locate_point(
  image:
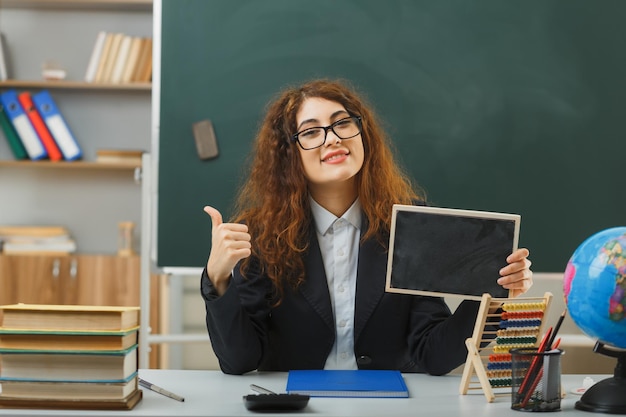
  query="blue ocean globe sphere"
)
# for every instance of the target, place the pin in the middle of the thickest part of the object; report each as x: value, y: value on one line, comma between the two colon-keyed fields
x: 594, y: 286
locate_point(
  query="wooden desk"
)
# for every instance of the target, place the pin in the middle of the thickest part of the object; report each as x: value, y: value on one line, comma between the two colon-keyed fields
x: 211, y: 393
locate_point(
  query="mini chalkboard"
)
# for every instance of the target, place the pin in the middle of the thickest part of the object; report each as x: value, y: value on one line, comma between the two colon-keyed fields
x: 449, y: 252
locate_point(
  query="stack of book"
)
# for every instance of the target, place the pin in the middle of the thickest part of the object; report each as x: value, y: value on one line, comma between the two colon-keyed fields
x: 35, y: 128
x: 26, y: 240
x: 118, y: 58
x: 64, y: 356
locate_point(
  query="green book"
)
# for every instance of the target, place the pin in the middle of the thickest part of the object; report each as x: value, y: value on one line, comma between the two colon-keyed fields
x: 9, y: 132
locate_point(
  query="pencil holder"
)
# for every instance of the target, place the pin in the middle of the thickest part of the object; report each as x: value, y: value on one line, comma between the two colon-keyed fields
x: 536, y: 380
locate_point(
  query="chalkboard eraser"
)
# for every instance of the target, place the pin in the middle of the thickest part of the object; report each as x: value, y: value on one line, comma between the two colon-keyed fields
x: 206, y: 142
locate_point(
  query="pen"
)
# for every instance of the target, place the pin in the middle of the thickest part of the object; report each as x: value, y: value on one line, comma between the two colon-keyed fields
x: 160, y: 390
x: 260, y: 389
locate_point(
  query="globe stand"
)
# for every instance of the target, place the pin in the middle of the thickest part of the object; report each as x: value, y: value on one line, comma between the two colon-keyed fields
x: 607, y: 396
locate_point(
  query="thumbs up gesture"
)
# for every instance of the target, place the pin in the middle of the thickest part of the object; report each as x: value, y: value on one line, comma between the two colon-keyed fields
x: 230, y: 242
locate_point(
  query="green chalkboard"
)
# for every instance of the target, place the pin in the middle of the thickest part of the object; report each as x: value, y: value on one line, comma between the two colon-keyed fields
x: 514, y: 106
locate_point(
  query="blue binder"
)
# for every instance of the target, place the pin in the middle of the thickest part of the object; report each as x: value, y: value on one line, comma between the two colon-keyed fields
x: 57, y: 126
x: 22, y: 125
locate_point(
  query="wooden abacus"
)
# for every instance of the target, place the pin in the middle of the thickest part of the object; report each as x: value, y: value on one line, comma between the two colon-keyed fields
x: 502, y: 324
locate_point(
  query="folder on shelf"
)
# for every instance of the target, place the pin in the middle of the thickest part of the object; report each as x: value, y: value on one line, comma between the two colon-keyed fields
x: 9, y: 132
x: 57, y: 125
x: 94, y: 59
x: 26, y: 100
x: 22, y: 125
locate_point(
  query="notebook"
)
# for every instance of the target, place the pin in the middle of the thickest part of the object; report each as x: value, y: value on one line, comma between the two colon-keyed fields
x: 344, y: 383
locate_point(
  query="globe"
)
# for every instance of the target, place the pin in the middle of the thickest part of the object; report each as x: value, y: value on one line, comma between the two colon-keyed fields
x: 594, y: 286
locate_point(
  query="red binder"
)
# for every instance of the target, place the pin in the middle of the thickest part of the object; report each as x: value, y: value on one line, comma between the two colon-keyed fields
x: 26, y: 100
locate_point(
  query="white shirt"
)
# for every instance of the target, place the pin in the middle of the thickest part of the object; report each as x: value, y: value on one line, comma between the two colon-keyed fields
x: 338, y: 238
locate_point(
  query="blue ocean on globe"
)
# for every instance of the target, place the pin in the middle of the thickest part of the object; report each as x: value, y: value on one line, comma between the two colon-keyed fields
x: 594, y: 286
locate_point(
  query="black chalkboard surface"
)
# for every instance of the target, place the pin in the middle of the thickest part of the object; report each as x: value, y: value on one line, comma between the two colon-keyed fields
x: 441, y: 251
x: 512, y: 106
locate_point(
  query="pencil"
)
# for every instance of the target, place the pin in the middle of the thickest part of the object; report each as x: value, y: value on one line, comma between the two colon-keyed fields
x: 556, y: 329
x: 529, y: 378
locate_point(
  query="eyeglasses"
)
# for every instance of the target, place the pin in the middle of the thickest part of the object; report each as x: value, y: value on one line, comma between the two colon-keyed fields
x: 314, y: 137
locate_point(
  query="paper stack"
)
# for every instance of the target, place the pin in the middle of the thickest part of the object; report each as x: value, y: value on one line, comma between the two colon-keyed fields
x: 27, y: 240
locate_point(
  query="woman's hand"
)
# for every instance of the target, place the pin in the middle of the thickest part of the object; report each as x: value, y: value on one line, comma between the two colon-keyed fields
x: 517, y: 276
x: 230, y: 242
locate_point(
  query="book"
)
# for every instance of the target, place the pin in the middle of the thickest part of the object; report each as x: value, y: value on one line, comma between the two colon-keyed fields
x: 60, y: 245
x: 15, y: 143
x: 120, y: 60
x: 22, y: 125
x: 94, y: 58
x: 67, y: 340
x: 347, y: 383
x: 26, y: 100
x: 51, y: 390
x: 127, y: 403
x: 131, y: 62
x: 57, y: 125
x: 119, y: 156
x: 32, y: 231
x: 143, y: 72
x: 68, y: 317
x: 68, y: 366
x: 104, y: 56
x: 111, y: 57
x: 4, y: 72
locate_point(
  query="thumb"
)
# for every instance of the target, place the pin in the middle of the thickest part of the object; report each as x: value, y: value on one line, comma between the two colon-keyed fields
x: 216, y: 216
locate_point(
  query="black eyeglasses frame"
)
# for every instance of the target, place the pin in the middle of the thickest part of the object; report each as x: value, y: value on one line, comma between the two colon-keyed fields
x: 359, y: 123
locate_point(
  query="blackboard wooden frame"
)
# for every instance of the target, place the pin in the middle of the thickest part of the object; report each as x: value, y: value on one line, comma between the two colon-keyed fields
x: 449, y: 252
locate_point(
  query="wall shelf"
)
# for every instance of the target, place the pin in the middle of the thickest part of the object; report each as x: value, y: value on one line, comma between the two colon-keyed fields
x: 79, y: 4
x: 70, y: 165
x: 75, y: 85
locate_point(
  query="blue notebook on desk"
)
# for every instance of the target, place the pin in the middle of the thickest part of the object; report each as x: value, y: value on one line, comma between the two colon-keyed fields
x: 340, y: 383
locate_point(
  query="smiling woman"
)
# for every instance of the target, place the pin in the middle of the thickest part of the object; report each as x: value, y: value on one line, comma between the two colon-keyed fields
x: 330, y: 160
x: 297, y: 280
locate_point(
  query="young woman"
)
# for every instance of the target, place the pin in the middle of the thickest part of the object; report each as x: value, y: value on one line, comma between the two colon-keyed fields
x: 297, y: 280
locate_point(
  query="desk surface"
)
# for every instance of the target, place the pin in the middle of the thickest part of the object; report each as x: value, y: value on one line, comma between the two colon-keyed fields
x: 211, y: 393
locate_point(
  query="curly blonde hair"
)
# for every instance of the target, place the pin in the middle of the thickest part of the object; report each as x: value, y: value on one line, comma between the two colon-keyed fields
x: 274, y: 202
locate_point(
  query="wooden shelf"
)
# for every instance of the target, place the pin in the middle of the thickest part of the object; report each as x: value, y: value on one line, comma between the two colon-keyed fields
x: 79, y: 4
x: 70, y: 165
x: 75, y: 85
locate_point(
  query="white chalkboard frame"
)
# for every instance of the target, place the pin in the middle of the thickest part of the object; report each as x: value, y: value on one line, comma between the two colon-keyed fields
x: 419, y: 262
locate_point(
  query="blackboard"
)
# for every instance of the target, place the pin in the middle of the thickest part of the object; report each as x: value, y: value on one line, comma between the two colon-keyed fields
x: 512, y: 106
x: 439, y: 251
